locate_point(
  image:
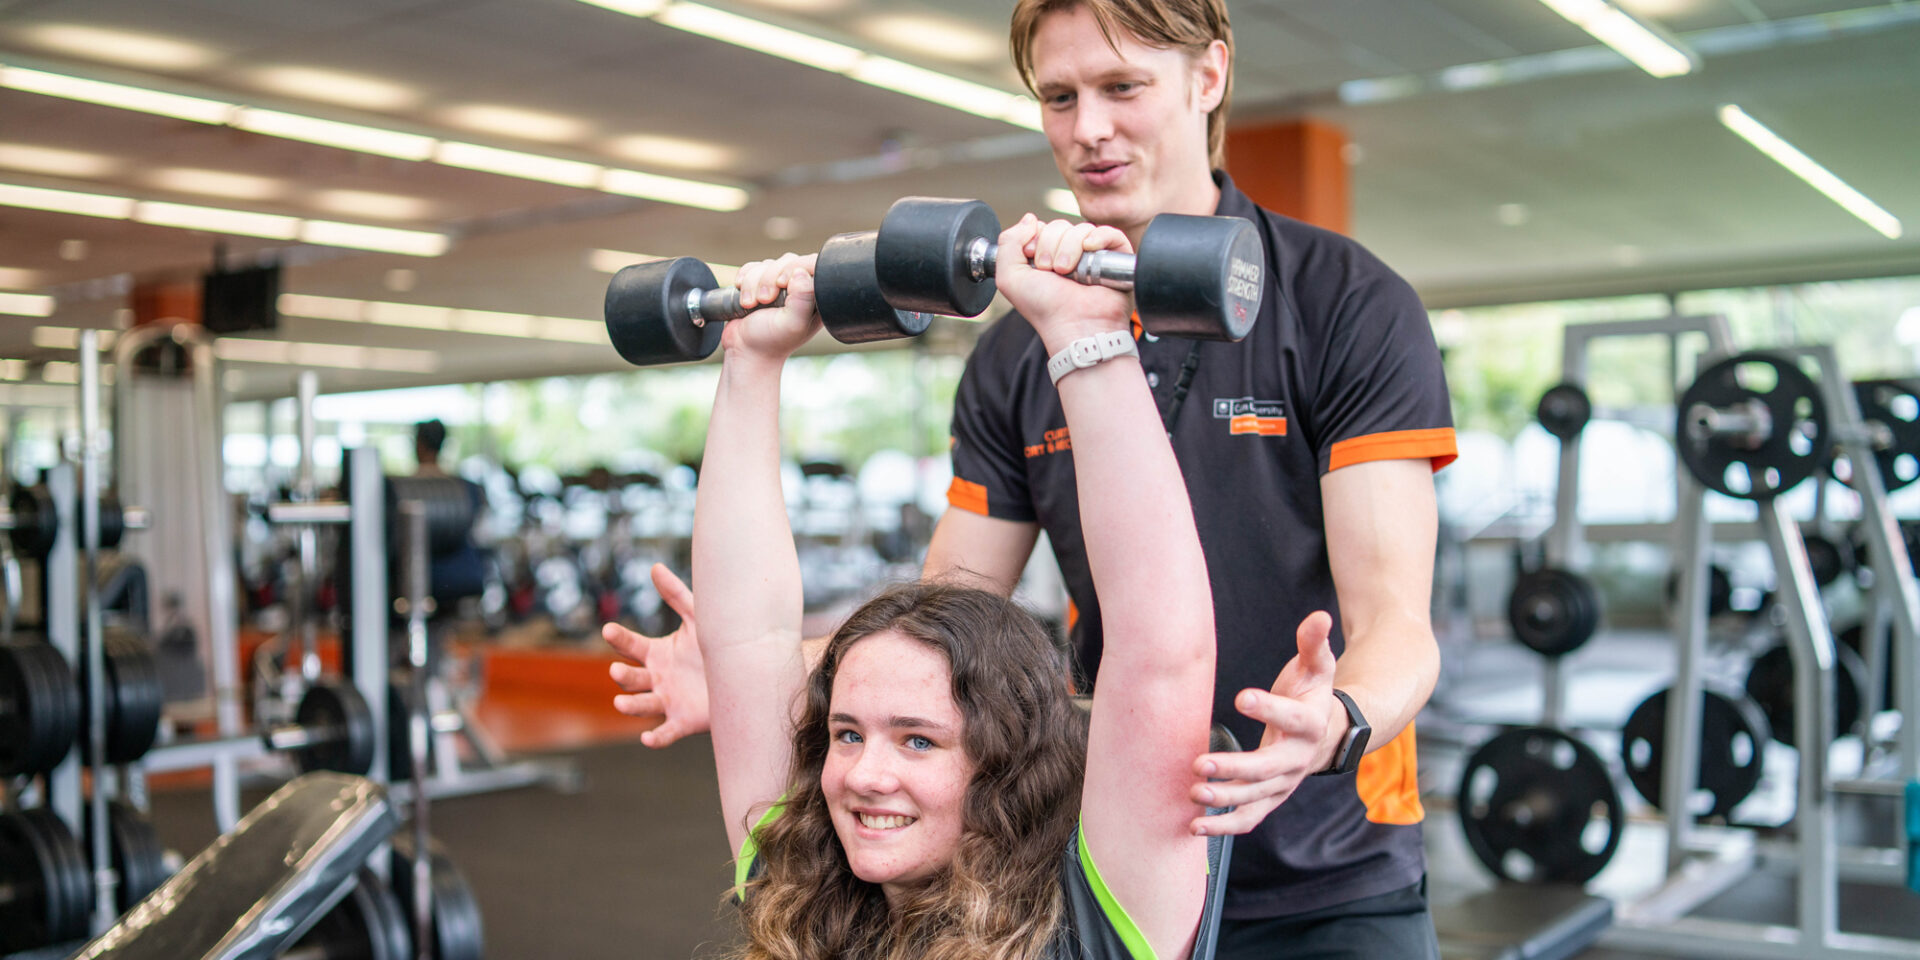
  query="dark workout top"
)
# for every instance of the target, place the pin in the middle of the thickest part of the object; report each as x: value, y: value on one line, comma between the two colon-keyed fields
x: 1340, y: 368
x: 1093, y: 925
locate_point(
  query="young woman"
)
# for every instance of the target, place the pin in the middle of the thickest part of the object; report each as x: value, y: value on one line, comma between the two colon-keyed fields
x: 929, y: 791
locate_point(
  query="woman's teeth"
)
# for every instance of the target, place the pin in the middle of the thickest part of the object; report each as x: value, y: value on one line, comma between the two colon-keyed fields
x: 884, y: 823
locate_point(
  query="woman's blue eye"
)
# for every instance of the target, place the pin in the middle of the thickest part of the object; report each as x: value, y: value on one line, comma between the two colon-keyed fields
x: 919, y: 743
x: 846, y: 736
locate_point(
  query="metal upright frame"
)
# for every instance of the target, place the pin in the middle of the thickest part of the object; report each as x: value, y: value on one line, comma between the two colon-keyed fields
x: 1704, y: 862
x: 365, y: 518
x: 1566, y: 540
x: 223, y: 629
x: 60, y: 574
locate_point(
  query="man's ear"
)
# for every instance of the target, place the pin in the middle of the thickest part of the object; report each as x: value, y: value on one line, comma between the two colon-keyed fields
x: 1210, y: 71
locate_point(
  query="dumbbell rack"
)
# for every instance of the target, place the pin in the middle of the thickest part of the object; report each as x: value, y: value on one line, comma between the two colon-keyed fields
x: 206, y: 511
x: 1703, y: 862
x: 69, y: 566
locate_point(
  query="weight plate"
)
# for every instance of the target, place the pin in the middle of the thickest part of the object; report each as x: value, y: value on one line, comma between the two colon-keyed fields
x: 399, y: 735
x: 457, y: 930
x: 1893, y: 406
x: 1553, y: 612
x: 1564, y: 410
x: 1853, y: 639
x: 1909, y: 537
x: 35, y: 523
x: 1828, y: 558
x: 1733, y: 738
x: 337, y: 713
x: 1747, y: 442
x: 1770, y: 684
x: 42, y: 866
x: 39, y: 707
x: 1538, y: 806
x: 646, y: 310
x: 113, y: 522
x: 137, y: 855
x: 846, y: 290
x: 920, y: 255
x: 135, y: 698
x: 1199, y: 277
x: 367, y: 924
x: 452, y: 504
x: 1719, y: 590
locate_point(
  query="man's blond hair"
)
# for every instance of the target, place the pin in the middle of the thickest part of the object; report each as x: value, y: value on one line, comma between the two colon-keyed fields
x: 1189, y: 25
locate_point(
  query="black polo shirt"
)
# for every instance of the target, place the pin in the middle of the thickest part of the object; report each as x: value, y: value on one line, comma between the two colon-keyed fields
x: 1340, y: 368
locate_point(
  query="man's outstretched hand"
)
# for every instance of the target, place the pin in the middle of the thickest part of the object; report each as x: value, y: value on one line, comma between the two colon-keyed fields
x: 1298, y: 714
x: 670, y: 681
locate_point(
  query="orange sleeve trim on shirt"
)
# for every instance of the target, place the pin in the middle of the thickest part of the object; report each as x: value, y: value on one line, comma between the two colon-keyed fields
x: 1389, y: 782
x: 1436, y: 444
x: 968, y: 496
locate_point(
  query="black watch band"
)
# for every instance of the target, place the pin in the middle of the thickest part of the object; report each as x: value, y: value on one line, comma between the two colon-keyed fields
x: 1354, y: 745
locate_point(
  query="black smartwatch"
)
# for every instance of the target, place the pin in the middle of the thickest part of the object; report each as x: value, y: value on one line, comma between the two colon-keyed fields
x: 1354, y: 745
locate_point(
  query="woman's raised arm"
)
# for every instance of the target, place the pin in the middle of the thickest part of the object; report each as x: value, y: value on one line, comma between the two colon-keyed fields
x: 744, y: 565
x: 1153, y: 697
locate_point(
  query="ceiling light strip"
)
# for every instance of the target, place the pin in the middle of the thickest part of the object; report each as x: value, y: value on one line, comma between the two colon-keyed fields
x: 421, y: 316
x: 613, y: 261
x: 246, y: 223
x: 823, y: 54
x: 344, y: 356
x: 386, y: 143
x: 1809, y: 170
x: 1649, y: 47
x: 26, y: 304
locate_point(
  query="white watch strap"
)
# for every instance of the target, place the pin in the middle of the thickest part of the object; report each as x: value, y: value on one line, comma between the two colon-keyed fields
x: 1087, y: 351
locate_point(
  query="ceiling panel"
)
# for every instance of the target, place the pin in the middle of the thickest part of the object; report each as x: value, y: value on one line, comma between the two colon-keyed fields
x: 1625, y: 180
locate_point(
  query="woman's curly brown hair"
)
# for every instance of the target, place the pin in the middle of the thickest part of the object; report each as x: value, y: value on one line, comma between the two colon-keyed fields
x: 1000, y: 899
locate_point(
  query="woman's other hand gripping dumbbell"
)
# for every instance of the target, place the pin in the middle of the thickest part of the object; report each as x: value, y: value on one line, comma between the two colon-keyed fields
x: 1034, y: 270
x: 779, y: 297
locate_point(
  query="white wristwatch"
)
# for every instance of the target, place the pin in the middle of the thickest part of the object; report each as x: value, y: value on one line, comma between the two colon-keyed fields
x: 1087, y: 351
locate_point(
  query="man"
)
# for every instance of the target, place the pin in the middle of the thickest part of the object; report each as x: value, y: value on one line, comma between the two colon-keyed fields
x: 428, y: 437
x: 1308, y: 450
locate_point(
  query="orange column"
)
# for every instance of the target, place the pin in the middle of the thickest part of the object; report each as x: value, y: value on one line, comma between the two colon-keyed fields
x: 166, y: 301
x: 1294, y: 168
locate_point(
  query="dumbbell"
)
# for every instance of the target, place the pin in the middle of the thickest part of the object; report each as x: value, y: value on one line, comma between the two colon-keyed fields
x: 31, y: 522
x: 332, y: 729
x: 1194, y: 277
x: 668, y: 311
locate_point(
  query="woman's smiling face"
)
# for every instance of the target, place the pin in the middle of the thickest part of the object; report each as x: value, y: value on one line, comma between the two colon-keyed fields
x: 896, y: 773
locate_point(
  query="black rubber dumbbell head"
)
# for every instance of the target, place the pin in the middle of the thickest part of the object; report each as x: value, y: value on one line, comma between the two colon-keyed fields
x: 1199, y: 277
x: 846, y: 289
x: 647, y: 317
x: 921, y: 255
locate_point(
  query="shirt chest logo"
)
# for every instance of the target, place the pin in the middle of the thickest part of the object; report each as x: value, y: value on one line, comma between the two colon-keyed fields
x: 1053, y: 441
x: 1245, y: 415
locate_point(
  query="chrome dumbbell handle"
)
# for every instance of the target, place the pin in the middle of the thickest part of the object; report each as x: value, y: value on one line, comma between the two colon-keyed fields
x: 721, y: 305
x: 1101, y: 268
